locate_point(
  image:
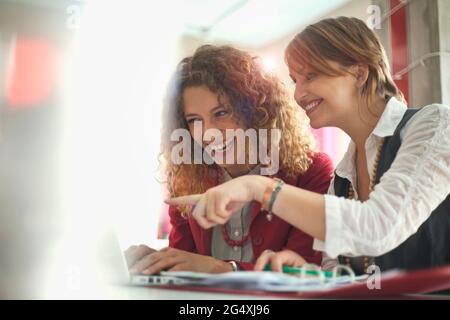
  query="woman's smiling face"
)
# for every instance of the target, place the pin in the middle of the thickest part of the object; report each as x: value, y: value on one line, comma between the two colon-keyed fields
x: 202, y: 105
x: 327, y: 100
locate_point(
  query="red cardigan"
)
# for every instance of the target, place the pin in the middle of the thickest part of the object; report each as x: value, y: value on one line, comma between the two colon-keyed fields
x: 275, y: 235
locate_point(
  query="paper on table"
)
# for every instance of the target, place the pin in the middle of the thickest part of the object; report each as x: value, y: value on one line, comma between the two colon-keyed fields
x: 267, y: 281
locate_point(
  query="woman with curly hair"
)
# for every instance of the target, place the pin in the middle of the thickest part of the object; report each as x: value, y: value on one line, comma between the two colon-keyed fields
x: 223, y: 89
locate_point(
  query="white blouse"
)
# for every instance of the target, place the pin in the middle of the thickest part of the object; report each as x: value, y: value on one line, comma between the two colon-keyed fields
x: 416, y: 183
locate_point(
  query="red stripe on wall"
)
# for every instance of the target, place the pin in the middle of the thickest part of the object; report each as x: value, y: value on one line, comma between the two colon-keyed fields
x: 33, y: 73
x: 399, y: 45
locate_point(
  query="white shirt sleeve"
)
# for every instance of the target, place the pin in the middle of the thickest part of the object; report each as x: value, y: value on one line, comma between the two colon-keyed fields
x: 417, y: 182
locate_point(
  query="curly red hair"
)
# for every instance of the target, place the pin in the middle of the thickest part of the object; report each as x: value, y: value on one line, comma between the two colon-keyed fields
x: 256, y: 98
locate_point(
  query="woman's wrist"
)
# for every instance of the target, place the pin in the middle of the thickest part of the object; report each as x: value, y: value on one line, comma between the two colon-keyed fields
x: 222, y: 266
x: 257, y: 186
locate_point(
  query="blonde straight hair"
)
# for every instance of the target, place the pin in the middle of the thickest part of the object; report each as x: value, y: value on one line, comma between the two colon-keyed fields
x: 346, y: 41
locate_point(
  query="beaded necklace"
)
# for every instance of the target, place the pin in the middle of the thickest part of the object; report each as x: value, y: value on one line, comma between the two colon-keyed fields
x: 351, y: 194
x: 226, y: 237
x: 231, y: 242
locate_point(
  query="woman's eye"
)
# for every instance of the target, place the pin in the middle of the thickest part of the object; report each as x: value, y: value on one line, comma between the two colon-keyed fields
x: 221, y: 113
x: 310, y: 76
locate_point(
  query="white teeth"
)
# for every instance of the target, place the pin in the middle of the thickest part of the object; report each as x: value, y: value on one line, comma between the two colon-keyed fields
x: 313, y: 104
x: 222, y: 146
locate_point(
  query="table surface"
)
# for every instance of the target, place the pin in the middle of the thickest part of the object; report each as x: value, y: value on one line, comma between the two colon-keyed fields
x: 155, y: 293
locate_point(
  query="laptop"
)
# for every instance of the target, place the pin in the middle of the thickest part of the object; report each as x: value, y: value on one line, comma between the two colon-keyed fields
x: 115, y: 270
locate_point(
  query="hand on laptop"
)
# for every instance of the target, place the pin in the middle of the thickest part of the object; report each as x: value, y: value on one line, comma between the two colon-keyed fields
x: 170, y: 259
x: 135, y: 253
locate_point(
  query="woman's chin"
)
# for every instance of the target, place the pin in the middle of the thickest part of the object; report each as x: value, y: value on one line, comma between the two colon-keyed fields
x: 315, y: 124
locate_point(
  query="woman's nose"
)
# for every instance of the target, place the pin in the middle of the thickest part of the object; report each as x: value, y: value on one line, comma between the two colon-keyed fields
x: 299, y: 93
x: 212, y: 132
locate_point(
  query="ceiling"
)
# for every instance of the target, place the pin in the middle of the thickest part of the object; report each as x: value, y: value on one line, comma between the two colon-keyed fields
x: 253, y: 23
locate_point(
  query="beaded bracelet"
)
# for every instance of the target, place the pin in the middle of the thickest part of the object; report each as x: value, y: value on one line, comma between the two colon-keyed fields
x: 273, y: 191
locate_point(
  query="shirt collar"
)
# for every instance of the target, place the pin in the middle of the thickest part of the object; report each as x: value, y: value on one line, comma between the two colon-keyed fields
x: 345, y: 167
x: 391, y: 117
x: 255, y: 171
x: 386, y: 125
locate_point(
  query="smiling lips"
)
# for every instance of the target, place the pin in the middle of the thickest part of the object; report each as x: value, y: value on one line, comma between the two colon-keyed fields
x: 311, y: 105
x: 223, y: 146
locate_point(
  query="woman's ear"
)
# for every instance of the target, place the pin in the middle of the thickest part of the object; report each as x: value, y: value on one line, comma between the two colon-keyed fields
x: 361, y: 73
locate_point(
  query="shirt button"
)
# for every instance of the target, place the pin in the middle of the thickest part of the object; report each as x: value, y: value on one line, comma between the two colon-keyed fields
x: 236, y: 233
x: 235, y: 248
x: 258, y: 241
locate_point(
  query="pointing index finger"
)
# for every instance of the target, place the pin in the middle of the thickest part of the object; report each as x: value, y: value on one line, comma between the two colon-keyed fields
x: 189, y: 200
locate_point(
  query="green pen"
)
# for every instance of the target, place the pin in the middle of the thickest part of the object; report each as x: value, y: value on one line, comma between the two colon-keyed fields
x: 295, y: 270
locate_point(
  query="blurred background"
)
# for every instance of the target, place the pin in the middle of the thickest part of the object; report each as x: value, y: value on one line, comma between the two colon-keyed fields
x: 81, y: 89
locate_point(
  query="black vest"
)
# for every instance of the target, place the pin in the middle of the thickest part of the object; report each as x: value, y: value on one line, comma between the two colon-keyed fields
x: 430, y: 245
